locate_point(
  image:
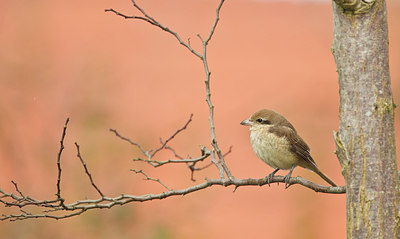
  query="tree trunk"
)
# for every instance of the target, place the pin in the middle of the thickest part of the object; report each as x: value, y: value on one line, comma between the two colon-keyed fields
x: 365, y: 144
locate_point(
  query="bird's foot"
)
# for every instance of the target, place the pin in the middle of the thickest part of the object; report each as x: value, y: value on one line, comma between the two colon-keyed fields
x: 286, y: 179
x: 271, y: 175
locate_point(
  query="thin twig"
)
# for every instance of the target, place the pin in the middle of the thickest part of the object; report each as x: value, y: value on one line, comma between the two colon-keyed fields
x: 17, y: 189
x: 156, y: 163
x: 193, y: 169
x: 153, y: 22
x: 151, y: 179
x: 86, y: 170
x: 191, y: 165
x: 174, y: 152
x: 214, y: 142
x: 215, y: 22
x: 171, y: 137
x: 151, y: 153
x: 175, y: 34
x: 130, y: 141
x: 129, y: 17
x: 58, y: 193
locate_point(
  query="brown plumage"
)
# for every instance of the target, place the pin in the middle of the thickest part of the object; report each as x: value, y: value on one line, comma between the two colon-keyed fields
x: 276, y: 142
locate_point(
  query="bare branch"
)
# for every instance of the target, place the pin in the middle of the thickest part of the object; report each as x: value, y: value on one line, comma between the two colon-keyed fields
x: 77, y: 208
x: 150, y: 153
x: 153, y: 22
x: 130, y: 141
x: 215, y: 22
x: 191, y: 165
x: 130, y: 17
x: 172, y: 136
x: 58, y: 193
x: 203, y: 57
x: 82, y: 206
x: 156, y: 163
x: 218, y: 165
x: 214, y: 142
x: 173, y: 151
x: 151, y: 179
x: 193, y: 169
x: 191, y: 162
x: 17, y: 189
x: 86, y: 170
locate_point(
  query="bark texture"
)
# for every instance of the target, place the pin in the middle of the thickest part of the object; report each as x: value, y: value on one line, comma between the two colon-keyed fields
x: 365, y: 142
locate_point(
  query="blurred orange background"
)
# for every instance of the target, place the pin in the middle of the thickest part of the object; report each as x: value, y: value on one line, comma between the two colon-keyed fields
x: 72, y: 59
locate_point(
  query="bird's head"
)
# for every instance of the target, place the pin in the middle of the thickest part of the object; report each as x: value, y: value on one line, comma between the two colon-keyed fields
x: 267, y: 118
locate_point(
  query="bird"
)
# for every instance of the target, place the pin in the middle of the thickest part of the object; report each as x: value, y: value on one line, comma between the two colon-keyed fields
x: 276, y: 142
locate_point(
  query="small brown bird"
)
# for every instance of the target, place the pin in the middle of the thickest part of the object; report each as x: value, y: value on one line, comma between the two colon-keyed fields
x: 276, y: 142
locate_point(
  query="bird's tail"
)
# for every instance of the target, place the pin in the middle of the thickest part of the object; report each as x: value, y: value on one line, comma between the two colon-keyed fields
x: 323, y: 176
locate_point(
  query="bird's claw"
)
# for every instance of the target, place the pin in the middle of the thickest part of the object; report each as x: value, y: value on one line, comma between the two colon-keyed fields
x: 270, y: 176
x: 286, y: 179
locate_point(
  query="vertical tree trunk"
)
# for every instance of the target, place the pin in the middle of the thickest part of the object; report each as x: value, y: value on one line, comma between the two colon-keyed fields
x: 366, y: 140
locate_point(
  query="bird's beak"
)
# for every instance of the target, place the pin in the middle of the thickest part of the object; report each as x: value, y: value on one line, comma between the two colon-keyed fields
x: 247, y: 122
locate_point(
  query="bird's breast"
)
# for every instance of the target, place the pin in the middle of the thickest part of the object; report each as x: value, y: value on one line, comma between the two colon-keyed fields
x: 273, y: 150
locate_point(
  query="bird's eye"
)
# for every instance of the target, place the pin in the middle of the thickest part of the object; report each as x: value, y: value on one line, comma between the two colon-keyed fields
x: 263, y: 121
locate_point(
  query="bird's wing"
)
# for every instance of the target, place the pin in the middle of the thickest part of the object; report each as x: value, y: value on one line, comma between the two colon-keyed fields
x: 297, y: 144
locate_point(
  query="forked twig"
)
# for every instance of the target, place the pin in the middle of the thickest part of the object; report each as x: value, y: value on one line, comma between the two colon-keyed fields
x: 150, y: 153
x: 171, y: 137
